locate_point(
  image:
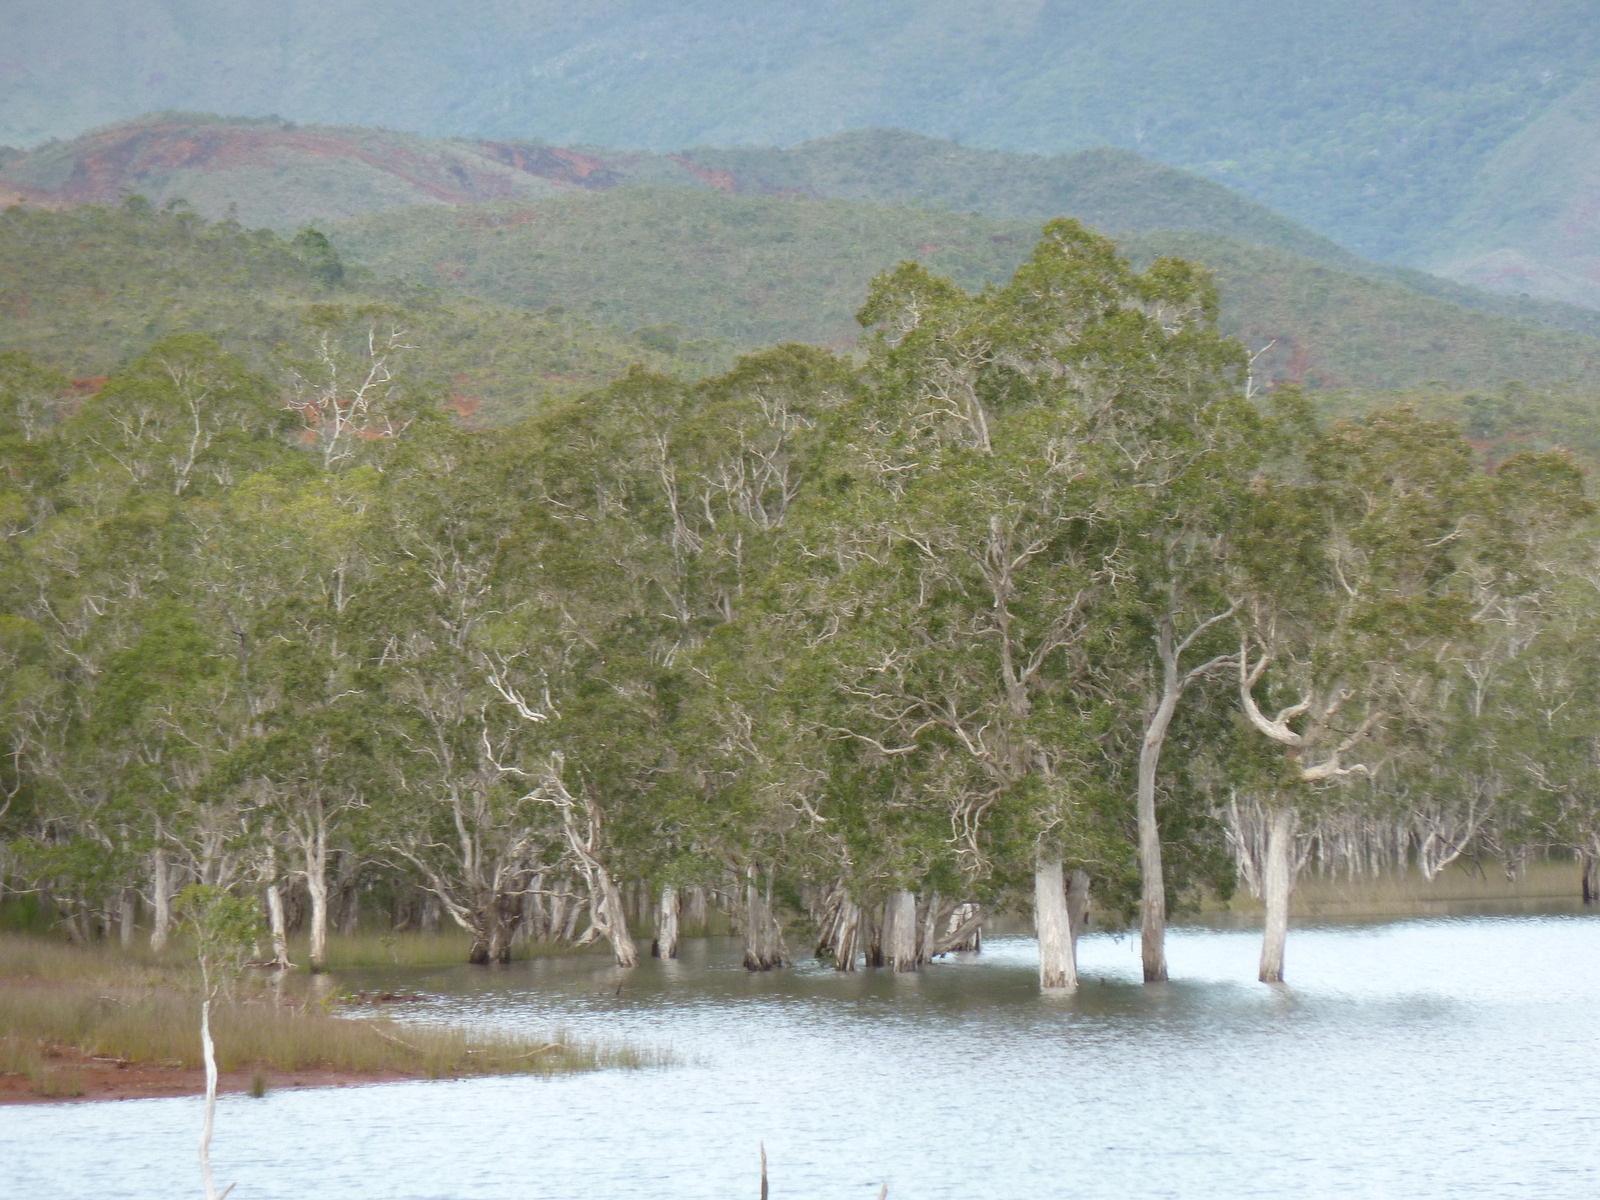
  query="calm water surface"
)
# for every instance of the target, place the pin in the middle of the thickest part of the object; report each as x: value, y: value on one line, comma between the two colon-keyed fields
x: 1423, y: 1058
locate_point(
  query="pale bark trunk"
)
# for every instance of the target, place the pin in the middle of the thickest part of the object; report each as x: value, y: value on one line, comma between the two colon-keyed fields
x: 209, y: 1051
x: 280, y: 932
x: 161, y: 901
x: 666, y: 943
x: 900, y: 932
x: 1152, y: 881
x: 1057, y: 970
x: 614, y: 921
x: 1276, y: 883
x: 846, y: 937
x: 1077, y: 907
x: 697, y: 914
x: 315, y: 852
x: 763, y: 940
x: 125, y: 917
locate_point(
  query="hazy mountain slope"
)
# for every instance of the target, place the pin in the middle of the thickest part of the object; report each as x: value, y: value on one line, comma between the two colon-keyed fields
x: 85, y: 290
x: 273, y: 173
x: 1533, y: 222
x: 1365, y: 120
x: 751, y: 270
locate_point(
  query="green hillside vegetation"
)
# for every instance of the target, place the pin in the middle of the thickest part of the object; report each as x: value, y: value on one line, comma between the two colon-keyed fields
x: 750, y: 270
x: 86, y: 290
x: 1367, y: 121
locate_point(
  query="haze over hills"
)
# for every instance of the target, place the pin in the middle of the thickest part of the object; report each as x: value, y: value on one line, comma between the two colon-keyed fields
x: 1373, y: 123
x: 745, y: 247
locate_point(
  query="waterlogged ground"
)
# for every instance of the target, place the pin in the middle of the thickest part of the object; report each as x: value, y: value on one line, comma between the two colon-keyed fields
x: 1446, y: 1057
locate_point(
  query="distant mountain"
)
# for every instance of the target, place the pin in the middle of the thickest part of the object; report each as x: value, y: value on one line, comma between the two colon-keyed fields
x: 1366, y: 120
x: 1532, y: 224
x: 748, y: 270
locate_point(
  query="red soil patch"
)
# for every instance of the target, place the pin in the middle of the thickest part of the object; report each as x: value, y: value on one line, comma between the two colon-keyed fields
x: 722, y: 181
x: 111, y: 1079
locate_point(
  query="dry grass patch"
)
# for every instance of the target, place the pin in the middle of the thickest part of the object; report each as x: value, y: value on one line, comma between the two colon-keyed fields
x: 138, y: 1009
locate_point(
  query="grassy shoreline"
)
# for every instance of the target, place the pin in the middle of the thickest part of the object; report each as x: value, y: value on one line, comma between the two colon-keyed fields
x: 65, y: 1006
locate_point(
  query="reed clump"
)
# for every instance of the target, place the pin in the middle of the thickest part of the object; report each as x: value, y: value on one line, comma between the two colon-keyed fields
x: 143, y: 1010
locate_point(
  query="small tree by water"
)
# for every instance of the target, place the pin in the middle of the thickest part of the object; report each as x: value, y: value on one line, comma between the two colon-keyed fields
x: 225, y: 930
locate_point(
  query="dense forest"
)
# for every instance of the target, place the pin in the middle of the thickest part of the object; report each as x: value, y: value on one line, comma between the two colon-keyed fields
x: 1037, y: 600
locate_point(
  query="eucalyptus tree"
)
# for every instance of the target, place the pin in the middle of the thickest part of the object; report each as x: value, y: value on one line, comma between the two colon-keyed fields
x: 1381, y: 591
x: 669, y: 499
x: 1035, y: 470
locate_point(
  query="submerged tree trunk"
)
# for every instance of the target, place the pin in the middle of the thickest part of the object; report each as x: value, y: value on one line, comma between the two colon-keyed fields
x: 1057, y: 969
x: 613, y: 919
x: 900, y: 931
x: 160, y: 900
x: 1152, y: 880
x: 208, y: 1051
x: 666, y: 943
x: 1077, y: 907
x: 1276, y: 883
x: 763, y: 939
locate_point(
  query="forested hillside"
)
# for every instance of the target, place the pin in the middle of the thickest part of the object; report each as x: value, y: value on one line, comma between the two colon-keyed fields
x: 1367, y: 121
x: 86, y: 290
x: 1039, y: 597
x: 748, y: 269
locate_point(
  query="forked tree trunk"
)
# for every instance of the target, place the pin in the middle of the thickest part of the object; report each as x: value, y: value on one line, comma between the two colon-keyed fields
x: 847, y: 935
x: 125, y: 917
x: 1057, y: 969
x: 900, y: 931
x: 161, y: 900
x: 1277, y: 880
x: 275, y: 922
x: 666, y: 943
x: 614, y: 920
x: 763, y: 940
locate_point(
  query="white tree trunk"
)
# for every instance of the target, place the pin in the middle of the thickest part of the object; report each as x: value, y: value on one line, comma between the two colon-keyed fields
x: 161, y: 900
x: 1077, y: 907
x: 1152, y: 880
x: 275, y: 921
x: 763, y: 940
x: 316, y: 866
x: 666, y: 943
x: 1057, y: 969
x: 613, y: 923
x: 209, y: 1051
x: 1276, y: 883
x: 125, y: 917
x: 900, y: 936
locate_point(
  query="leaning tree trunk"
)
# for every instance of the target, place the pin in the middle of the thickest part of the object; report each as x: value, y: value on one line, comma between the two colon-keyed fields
x: 614, y: 920
x: 1152, y: 881
x: 1057, y: 970
x: 160, y: 900
x: 900, y: 931
x: 1276, y: 882
x: 666, y: 943
x: 763, y: 940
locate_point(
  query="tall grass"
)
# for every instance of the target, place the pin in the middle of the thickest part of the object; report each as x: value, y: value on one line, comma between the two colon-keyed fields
x: 142, y: 1009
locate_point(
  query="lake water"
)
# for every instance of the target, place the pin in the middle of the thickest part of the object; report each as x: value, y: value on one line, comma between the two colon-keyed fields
x: 1423, y: 1058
